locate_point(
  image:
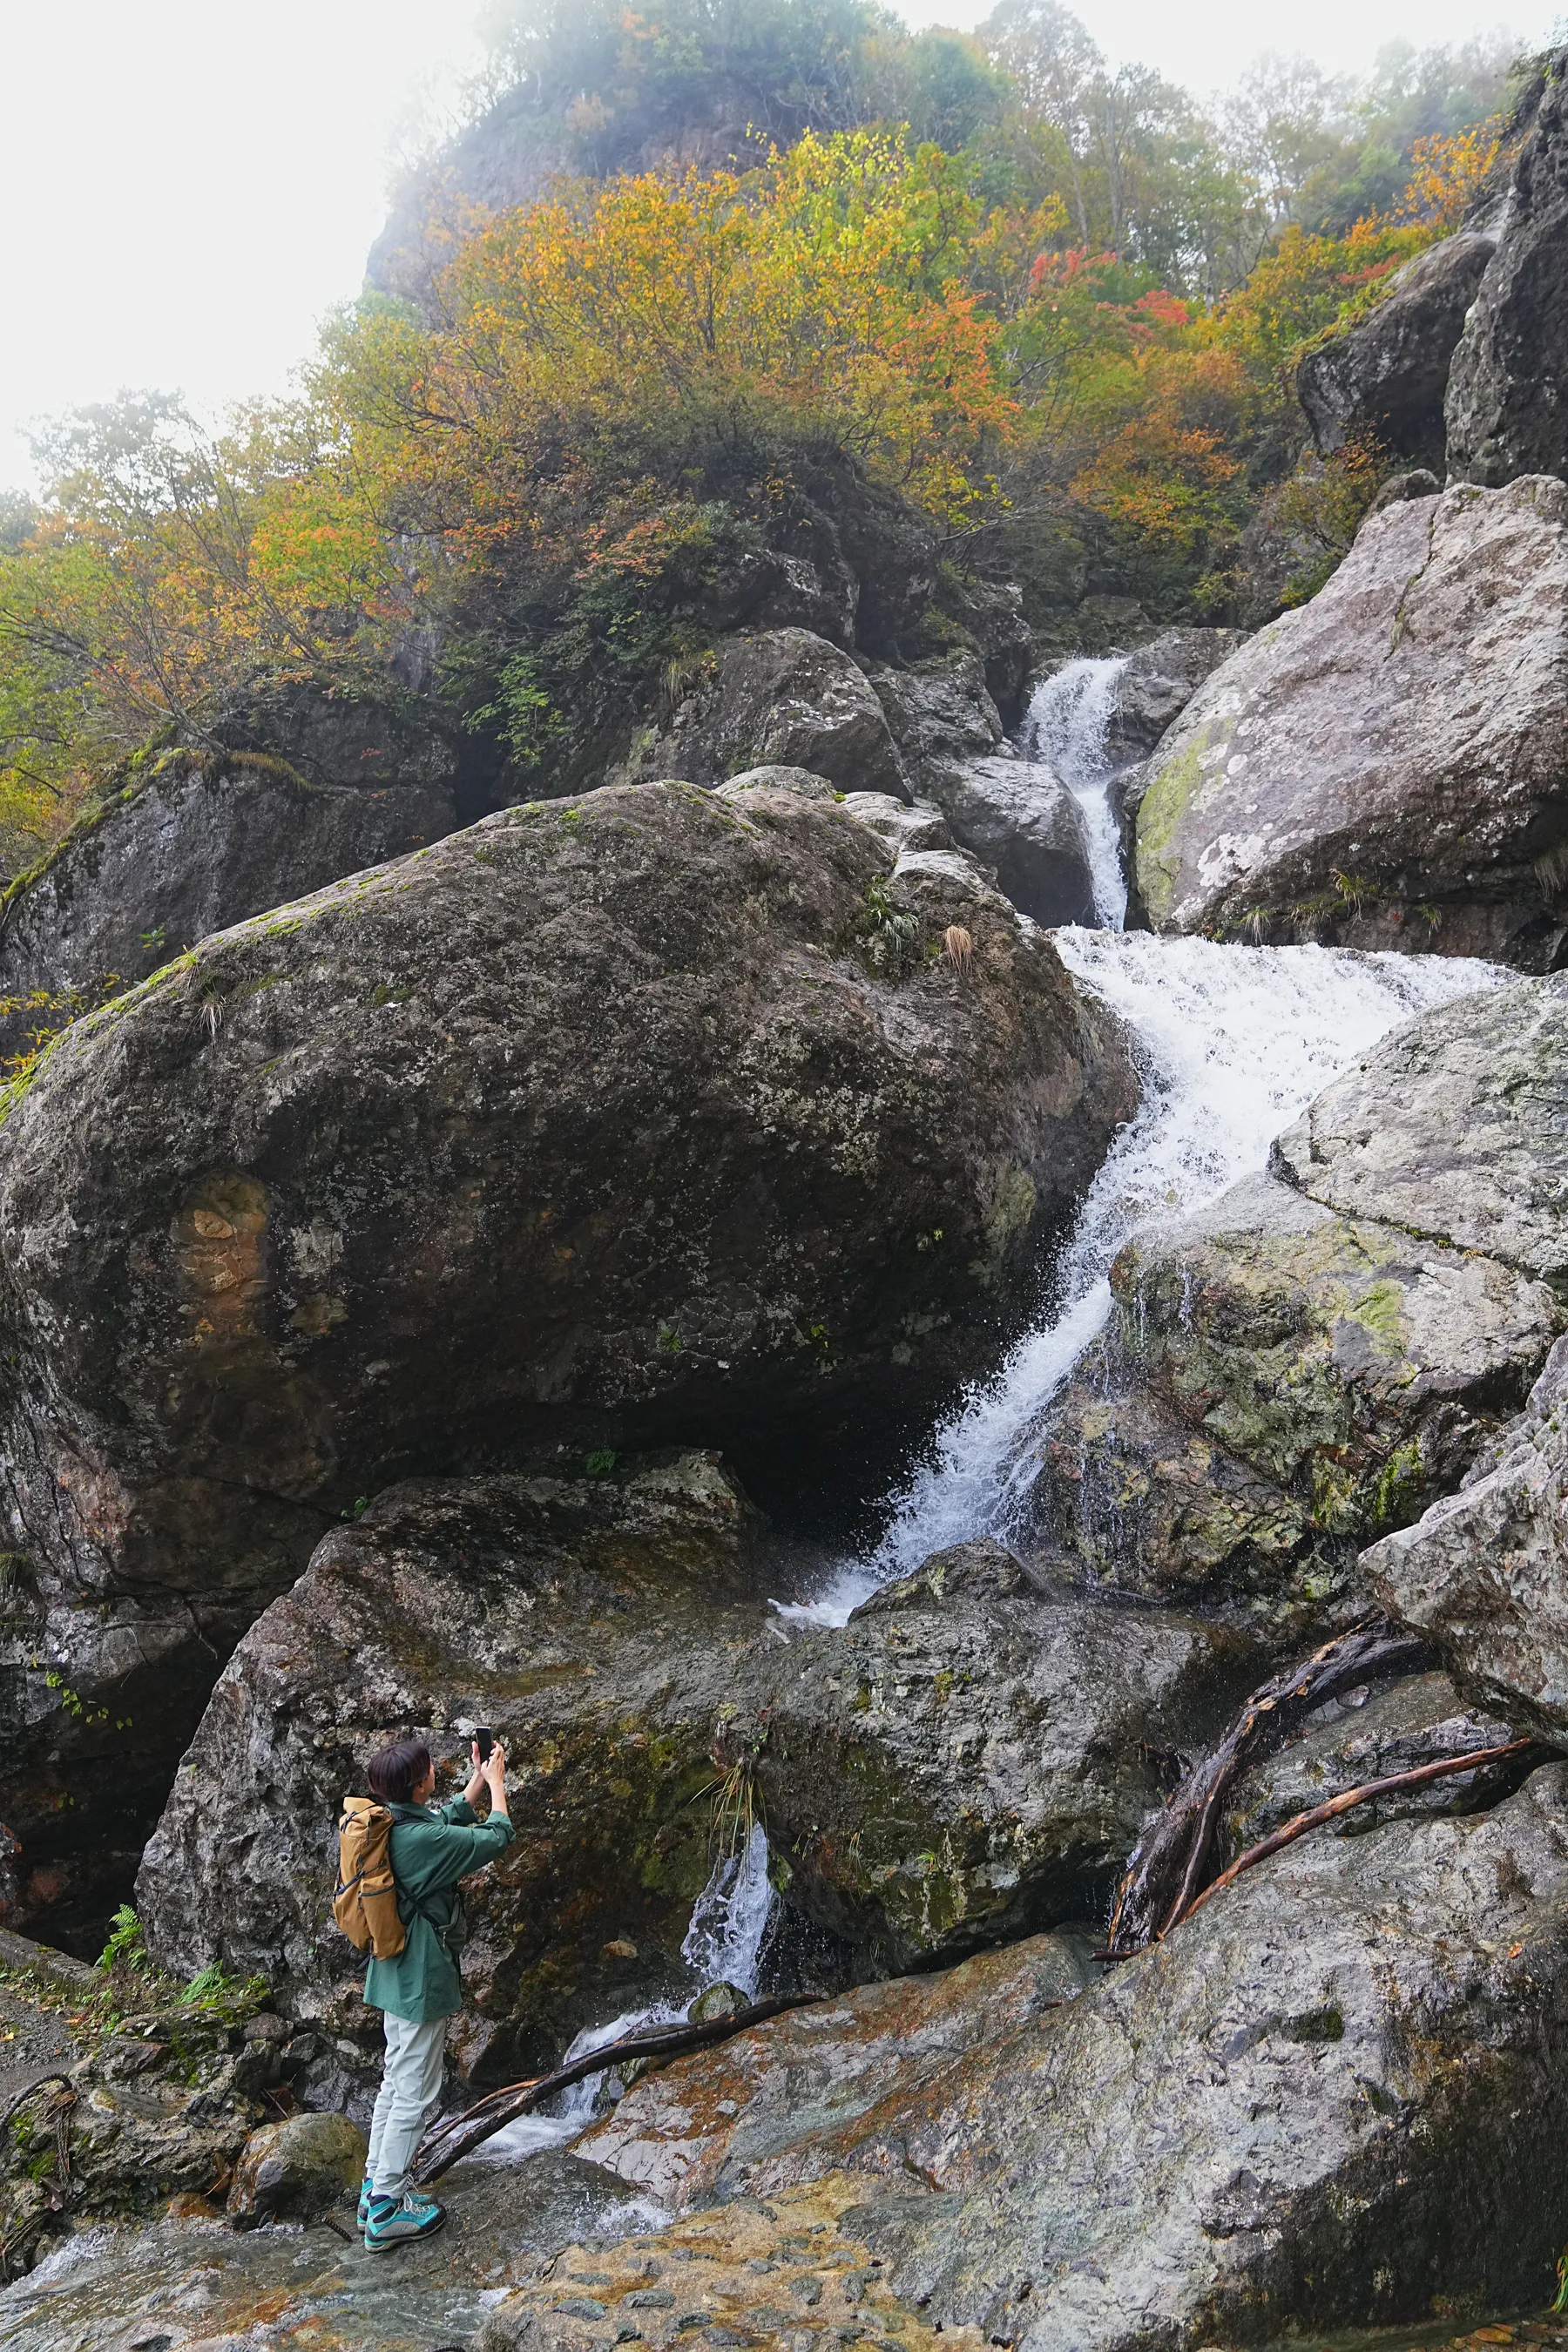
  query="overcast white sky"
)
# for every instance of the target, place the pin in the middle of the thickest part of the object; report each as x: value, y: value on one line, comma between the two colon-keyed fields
x: 191, y: 183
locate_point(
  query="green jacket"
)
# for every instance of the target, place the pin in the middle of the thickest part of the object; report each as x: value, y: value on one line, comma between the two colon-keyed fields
x: 431, y: 1850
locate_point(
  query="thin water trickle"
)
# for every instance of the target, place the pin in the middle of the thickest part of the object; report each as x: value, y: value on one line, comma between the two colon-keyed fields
x: 724, y: 1944
x: 1234, y: 1042
x: 1065, y: 728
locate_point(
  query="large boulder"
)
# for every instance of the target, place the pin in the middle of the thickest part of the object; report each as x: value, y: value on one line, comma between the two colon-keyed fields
x: 597, y: 1622
x: 1155, y: 684
x: 1385, y: 767
x: 941, y: 715
x: 1020, y: 820
x: 1507, y: 389
x: 186, y: 847
x: 970, y: 1758
x: 1382, y: 381
x: 1279, y: 1383
x: 1331, y: 2099
x: 1484, y: 1574
x: 780, y: 696
x: 602, y: 1123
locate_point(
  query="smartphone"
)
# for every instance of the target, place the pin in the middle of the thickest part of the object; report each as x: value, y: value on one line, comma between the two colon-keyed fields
x: 484, y: 1741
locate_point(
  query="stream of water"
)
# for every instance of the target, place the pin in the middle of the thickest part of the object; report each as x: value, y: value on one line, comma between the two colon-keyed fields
x: 724, y: 1944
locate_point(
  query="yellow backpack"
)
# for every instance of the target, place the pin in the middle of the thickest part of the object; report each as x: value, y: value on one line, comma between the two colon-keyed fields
x: 364, y: 1901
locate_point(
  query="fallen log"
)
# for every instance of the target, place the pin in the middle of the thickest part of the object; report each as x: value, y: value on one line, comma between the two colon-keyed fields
x: 1391, y: 1785
x: 447, y: 2144
x: 1169, y: 1862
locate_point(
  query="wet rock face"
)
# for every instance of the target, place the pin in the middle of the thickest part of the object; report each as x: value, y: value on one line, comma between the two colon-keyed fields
x: 1484, y: 1574
x: 1507, y: 401
x: 195, y: 848
x: 191, y: 2279
x: 776, y: 2106
x: 1384, y: 381
x: 1335, y: 2093
x: 1384, y: 768
x: 596, y: 1123
x: 969, y: 1758
x: 1278, y: 1382
x: 784, y: 2270
x: 783, y: 696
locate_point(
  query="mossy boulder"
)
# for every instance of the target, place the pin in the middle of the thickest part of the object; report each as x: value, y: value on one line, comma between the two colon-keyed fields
x: 632, y: 1121
x: 1279, y: 1384
x: 180, y: 846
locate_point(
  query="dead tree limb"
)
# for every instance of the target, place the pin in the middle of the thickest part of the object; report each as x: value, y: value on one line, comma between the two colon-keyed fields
x: 1289, y: 1831
x: 1170, y: 1861
x: 449, y: 2143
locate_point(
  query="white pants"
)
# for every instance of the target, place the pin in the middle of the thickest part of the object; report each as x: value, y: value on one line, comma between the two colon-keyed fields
x: 410, y: 2087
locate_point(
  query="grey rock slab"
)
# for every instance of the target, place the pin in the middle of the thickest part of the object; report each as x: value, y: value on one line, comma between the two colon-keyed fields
x: 1455, y: 1128
x: 1368, y: 1735
x: 921, y: 826
x: 1507, y: 401
x: 593, y: 1124
x: 1484, y: 1573
x: 1385, y: 767
x: 940, y: 715
x: 1158, y: 682
x: 1384, y: 381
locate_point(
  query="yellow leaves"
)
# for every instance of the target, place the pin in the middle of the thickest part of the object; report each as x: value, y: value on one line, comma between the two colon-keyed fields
x: 1446, y: 172
x: 826, y: 282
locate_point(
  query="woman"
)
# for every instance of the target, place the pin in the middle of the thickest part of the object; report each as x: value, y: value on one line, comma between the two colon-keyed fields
x: 432, y: 1848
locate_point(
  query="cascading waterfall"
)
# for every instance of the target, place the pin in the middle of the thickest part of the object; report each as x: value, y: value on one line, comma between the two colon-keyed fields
x: 724, y: 1944
x: 1065, y: 728
x: 1234, y: 1042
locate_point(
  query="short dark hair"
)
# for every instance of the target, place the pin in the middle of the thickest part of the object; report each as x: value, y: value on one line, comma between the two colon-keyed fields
x: 396, y: 1772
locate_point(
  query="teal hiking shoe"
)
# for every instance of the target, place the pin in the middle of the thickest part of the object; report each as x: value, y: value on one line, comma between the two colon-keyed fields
x: 399, y: 2221
x: 367, y: 2191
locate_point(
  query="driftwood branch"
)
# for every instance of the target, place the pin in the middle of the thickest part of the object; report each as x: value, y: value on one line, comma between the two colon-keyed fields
x: 1289, y: 1831
x: 1171, y: 1861
x: 449, y: 2143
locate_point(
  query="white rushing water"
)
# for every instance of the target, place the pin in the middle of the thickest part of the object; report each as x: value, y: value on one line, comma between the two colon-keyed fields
x: 724, y: 1944
x: 1234, y: 1043
x: 1066, y: 727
